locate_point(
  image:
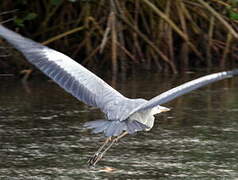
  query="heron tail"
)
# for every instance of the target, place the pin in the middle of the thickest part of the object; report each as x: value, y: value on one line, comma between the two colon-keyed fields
x: 114, y: 128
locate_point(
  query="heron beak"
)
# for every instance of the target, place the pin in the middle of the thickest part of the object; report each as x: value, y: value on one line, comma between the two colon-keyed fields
x: 164, y: 109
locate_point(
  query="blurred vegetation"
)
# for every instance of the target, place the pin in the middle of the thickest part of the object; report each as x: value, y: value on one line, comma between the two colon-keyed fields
x: 163, y: 35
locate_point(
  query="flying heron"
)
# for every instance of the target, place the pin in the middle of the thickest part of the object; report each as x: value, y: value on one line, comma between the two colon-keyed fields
x: 122, y: 115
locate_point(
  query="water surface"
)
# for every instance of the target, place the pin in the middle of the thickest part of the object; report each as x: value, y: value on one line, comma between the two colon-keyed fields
x: 42, y: 135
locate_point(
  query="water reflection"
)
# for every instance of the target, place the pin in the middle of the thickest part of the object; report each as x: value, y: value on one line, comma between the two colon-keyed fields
x: 42, y: 137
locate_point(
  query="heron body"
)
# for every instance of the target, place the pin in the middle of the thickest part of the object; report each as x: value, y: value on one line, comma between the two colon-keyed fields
x: 123, y: 115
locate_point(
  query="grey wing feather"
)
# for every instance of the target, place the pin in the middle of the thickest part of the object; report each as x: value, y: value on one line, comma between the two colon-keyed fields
x: 70, y: 75
x: 183, y: 89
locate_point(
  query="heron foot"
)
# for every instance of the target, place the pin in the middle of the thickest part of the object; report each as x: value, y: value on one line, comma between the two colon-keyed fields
x: 94, y: 159
x: 99, y: 154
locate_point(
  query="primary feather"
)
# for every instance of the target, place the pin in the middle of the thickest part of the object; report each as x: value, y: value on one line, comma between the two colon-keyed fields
x: 182, y: 89
x: 69, y: 74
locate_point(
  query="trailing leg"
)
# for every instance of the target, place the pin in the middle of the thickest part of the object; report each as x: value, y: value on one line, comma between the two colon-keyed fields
x: 92, y: 160
x: 100, y: 155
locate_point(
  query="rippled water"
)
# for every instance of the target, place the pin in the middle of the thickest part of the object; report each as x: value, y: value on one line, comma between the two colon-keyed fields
x: 42, y: 137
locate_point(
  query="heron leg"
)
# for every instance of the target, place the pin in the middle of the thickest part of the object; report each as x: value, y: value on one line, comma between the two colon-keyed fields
x: 99, y: 157
x: 27, y: 73
x: 95, y: 156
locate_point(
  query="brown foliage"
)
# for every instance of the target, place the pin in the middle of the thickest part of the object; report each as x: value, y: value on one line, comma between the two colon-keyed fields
x: 165, y: 35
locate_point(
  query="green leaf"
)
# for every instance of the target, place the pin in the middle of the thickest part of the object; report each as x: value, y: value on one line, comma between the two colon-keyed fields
x: 30, y: 16
x: 233, y: 15
x: 19, y: 22
x: 55, y: 2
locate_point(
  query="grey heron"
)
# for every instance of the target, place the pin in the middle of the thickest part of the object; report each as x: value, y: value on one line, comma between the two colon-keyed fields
x: 122, y: 115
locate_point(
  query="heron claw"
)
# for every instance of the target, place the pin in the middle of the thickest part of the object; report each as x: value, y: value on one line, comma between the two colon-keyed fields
x: 94, y: 159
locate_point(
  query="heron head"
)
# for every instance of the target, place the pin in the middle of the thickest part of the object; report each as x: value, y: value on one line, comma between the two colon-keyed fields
x: 159, y: 109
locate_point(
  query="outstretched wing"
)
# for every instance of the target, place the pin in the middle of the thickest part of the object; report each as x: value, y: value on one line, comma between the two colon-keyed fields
x: 183, y: 89
x: 70, y: 75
